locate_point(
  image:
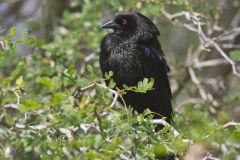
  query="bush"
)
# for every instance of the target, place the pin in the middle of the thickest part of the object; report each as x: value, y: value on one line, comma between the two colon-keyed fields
x: 54, y: 105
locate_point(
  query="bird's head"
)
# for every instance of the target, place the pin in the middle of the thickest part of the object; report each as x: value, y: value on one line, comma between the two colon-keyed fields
x: 131, y: 22
x: 122, y: 22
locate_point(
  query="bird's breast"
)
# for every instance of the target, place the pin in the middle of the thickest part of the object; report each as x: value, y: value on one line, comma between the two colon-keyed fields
x: 125, y: 63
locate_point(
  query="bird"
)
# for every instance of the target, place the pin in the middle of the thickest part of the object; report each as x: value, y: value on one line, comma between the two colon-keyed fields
x: 133, y: 52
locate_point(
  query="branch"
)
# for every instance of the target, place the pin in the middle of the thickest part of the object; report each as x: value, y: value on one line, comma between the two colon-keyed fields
x: 230, y: 124
x: 101, y: 85
x: 209, y: 157
x: 205, y: 41
x: 210, y: 63
x: 175, y: 132
x: 16, y: 94
x: 198, y: 83
x: 116, y: 94
x: 89, y: 86
x: 219, y: 49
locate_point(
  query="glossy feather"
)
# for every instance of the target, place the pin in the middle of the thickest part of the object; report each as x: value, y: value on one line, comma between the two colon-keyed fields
x: 133, y: 53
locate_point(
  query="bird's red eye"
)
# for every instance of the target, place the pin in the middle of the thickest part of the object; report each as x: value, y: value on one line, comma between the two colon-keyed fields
x: 124, y: 21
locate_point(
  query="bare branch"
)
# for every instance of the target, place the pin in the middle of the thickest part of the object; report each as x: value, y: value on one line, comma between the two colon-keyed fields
x: 219, y: 49
x: 88, y: 87
x: 198, y: 83
x: 230, y: 124
x: 209, y: 157
x: 115, y: 99
x: 230, y: 46
x: 164, y: 123
x: 206, y: 42
x: 210, y: 63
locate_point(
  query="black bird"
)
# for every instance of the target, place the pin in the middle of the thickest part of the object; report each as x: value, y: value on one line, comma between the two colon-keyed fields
x: 132, y: 52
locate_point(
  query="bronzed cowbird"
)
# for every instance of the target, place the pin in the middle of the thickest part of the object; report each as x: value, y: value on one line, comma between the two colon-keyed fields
x: 133, y: 52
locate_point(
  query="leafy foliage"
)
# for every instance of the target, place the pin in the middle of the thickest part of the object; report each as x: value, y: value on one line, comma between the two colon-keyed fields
x: 51, y: 110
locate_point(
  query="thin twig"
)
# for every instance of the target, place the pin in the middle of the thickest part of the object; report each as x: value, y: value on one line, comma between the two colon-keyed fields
x: 115, y: 99
x: 219, y: 49
x: 164, y: 123
x: 116, y: 94
x: 210, y: 63
x: 198, y: 83
x: 88, y: 87
x: 16, y: 94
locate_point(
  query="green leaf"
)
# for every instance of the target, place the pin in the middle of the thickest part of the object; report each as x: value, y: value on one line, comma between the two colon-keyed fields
x: 160, y: 150
x: 29, y: 105
x: 111, y: 84
x: 30, y: 41
x: 90, y: 68
x: 20, y: 82
x: 108, y: 75
x: 12, y: 32
x: 145, y: 85
x: 235, y: 55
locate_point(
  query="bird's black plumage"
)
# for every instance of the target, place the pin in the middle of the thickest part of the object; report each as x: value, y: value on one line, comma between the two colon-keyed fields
x: 133, y: 52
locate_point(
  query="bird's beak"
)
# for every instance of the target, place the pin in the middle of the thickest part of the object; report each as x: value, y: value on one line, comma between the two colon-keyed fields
x: 110, y: 24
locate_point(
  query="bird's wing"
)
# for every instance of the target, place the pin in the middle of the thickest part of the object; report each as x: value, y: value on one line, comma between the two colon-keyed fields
x: 155, y: 54
x: 155, y: 66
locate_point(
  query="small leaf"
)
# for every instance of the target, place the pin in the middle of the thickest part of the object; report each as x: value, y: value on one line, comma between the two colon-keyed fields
x: 90, y: 68
x: 140, y: 86
x: 125, y: 86
x: 235, y: 55
x: 20, y: 82
x: 30, y: 41
x: 12, y: 32
x: 160, y: 150
x: 111, y: 83
x: 82, y: 103
x: 110, y: 73
x: 145, y: 81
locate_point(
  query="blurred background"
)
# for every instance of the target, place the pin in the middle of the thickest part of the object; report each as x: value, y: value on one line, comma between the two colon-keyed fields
x: 40, y: 39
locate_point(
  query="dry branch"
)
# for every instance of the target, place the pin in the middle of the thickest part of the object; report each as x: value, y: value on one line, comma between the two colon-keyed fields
x: 206, y: 42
